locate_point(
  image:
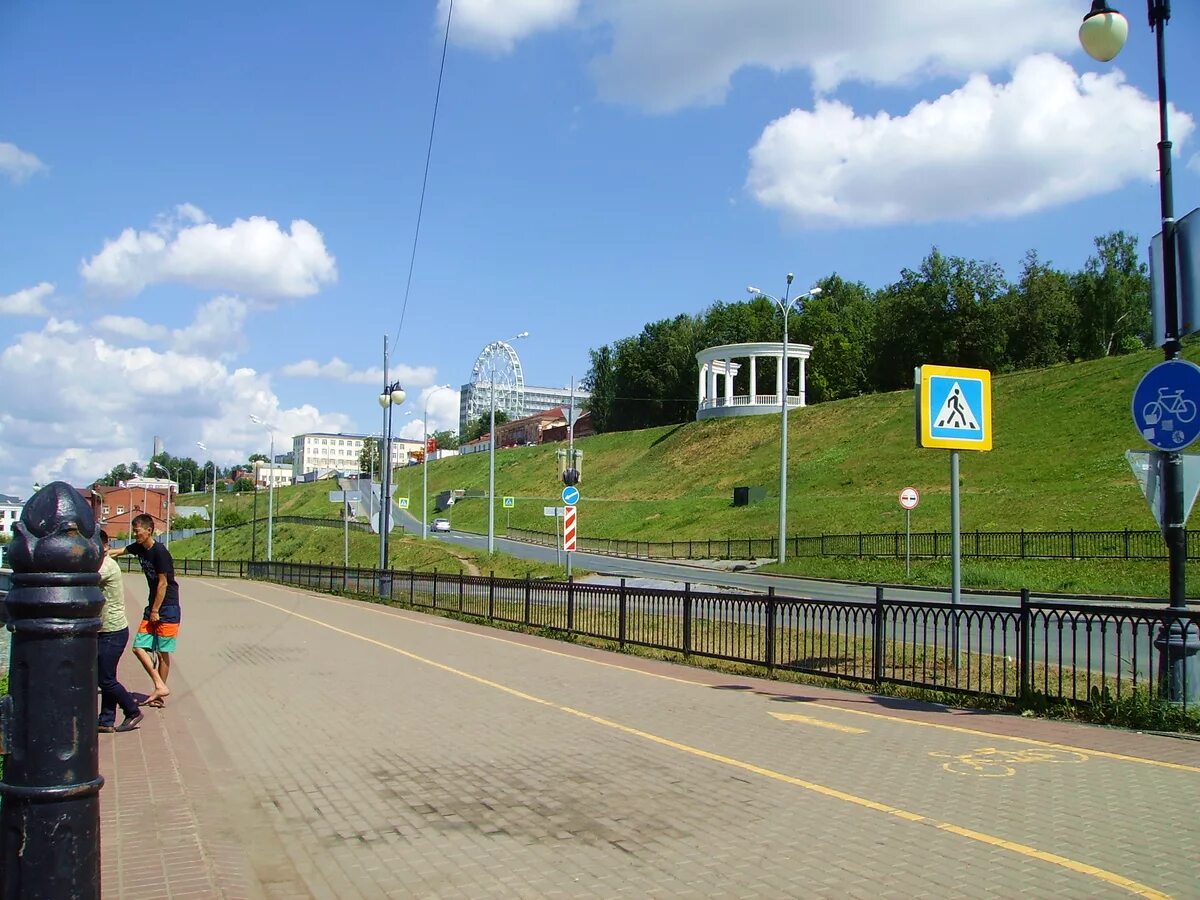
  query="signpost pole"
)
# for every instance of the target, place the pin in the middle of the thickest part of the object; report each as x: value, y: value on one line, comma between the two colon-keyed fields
x: 955, y: 554
x: 557, y: 541
x: 907, y: 543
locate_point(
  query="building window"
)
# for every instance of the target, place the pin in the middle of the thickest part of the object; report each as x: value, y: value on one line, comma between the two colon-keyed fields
x: 121, y: 511
x: 105, y: 508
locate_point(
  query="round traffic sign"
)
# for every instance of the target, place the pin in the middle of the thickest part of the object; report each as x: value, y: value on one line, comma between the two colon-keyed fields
x: 910, y: 497
x: 1165, y: 404
x: 570, y: 495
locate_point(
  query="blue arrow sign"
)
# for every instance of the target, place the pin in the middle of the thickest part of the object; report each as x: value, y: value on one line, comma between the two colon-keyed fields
x: 1165, y: 404
x: 570, y: 495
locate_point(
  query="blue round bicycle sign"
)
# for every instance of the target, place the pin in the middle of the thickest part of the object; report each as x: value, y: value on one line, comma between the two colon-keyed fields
x: 1165, y: 404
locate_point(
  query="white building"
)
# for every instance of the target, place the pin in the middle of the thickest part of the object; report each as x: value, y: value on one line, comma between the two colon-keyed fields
x: 271, y: 476
x: 322, y: 452
x: 10, y: 512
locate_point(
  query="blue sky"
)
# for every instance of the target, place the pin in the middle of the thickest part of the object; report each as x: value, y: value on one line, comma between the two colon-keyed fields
x: 208, y: 210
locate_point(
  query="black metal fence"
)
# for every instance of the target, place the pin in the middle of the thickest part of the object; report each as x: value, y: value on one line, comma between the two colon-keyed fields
x: 888, y: 544
x: 1078, y: 651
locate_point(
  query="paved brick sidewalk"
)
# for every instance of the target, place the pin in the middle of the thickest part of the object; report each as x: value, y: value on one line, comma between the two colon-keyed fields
x: 325, y: 748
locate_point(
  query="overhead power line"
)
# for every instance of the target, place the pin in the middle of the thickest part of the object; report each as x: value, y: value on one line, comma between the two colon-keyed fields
x: 425, y: 180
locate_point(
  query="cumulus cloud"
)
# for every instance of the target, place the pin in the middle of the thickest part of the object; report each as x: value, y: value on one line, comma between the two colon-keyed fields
x: 130, y: 327
x: 1049, y: 136
x: 1194, y: 162
x: 671, y: 54
x: 499, y: 24
x: 339, y: 370
x: 217, y: 330
x: 442, y: 403
x: 18, y: 164
x: 76, y: 405
x: 27, y: 302
x: 252, y: 256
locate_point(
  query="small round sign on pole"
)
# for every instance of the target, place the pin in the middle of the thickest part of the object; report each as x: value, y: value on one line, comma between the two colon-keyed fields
x: 910, y: 497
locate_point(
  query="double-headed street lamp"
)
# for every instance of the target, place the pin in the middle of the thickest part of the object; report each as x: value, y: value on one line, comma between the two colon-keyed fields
x: 270, y: 482
x: 212, y: 525
x: 492, y: 448
x: 425, y: 468
x: 393, y: 395
x: 785, y: 306
x: 1103, y: 34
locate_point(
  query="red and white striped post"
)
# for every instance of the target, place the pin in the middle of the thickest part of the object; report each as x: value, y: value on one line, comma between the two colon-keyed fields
x: 569, y: 528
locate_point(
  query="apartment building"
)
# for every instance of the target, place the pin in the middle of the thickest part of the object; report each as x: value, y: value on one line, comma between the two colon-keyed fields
x: 322, y: 452
x: 10, y: 512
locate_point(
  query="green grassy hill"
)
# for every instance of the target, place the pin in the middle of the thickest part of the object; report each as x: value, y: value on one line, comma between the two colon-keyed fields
x: 1058, y: 463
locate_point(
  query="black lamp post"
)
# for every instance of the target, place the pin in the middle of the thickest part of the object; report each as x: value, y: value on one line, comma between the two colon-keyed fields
x: 393, y: 395
x: 1102, y: 35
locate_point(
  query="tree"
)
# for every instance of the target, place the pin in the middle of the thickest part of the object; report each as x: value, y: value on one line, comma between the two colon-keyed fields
x: 368, y: 458
x: 481, y: 426
x: 258, y: 457
x: 1112, y: 294
x: 839, y: 324
x: 228, y: 516
x: 445, y: 439
x: 242, y: 485
x: 601, y: 383
x: 1043, y: 318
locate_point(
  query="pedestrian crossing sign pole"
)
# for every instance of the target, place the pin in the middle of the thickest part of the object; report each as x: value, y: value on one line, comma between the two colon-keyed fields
x: 954, y: 412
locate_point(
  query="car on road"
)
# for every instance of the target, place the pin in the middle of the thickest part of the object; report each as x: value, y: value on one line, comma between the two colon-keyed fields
x: 441, y: 524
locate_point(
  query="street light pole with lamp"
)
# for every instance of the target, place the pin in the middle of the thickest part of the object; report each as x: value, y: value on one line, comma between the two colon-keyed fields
x: 270, y: 482
x: 166, y: 472
x: 393, y: 395
x: 212, y: 525
x: 1103, y: 34
x: 785, y: 306
x: 492, y: 450
x: 425, y: 468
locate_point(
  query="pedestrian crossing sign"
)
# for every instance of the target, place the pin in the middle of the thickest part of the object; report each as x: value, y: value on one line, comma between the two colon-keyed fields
x: 954, y: 408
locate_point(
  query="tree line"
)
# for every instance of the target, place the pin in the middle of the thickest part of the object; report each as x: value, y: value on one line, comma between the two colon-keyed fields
x: 948, y: 311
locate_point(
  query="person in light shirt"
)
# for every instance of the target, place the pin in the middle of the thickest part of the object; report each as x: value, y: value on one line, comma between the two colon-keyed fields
x: 110, y: 645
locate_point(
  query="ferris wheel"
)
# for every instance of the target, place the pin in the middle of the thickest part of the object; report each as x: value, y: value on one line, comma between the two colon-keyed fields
x: 498, y: 365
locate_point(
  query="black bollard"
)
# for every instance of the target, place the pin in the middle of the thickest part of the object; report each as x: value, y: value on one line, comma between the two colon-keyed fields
x: 50, y: 818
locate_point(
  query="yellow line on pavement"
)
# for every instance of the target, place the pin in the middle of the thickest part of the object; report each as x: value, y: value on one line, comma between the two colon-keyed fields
x: 820, y: 723
x: 1072, y: 865
x: 1008, y: 737
x: 425, y: 621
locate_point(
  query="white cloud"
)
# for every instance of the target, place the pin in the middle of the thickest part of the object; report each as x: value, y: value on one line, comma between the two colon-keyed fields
x: 339, y: 370
x: 499, y: 24
x: 27, y: 302
x: 442, y: 403
x: 130, y: 327
x: 986, y: 150
x: 19, y: 164
x: 669, y: 54
x: 76, y: 405
x: 252, y: 256
x: 216, y: 331
x: 1194, y: 162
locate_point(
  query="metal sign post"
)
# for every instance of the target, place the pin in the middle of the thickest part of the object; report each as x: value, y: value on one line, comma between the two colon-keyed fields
x: 954, y: 412
x: 909, y: 498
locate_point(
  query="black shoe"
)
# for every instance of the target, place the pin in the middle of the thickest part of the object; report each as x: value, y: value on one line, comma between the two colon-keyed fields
x: 105, y: 729
x: 130, y: 723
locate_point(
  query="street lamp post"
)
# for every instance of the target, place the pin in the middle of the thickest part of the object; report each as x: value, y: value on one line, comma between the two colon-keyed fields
x: 212, y: 525
x: 393, y: 395
x: 1102, y: 35
x: 492, y: 450
x: 425, y: 468
x: 270, y: 482
x: 785, y: 306
x: 166, y: 472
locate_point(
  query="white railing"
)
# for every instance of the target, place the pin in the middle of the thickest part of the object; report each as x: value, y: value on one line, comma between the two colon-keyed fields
x: 746, y: 400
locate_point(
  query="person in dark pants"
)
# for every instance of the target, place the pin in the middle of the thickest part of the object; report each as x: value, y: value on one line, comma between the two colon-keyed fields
x: 110, y: 644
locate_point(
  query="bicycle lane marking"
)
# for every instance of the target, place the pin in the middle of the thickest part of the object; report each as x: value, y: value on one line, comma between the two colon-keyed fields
x: 1073, y: 865
x: 424, y: 619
